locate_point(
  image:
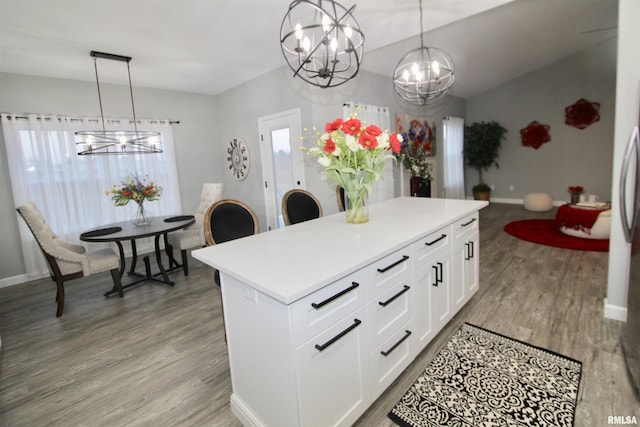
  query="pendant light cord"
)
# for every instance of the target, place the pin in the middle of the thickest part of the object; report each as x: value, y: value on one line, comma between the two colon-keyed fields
x: 95, y: 65
x: 421, y: 29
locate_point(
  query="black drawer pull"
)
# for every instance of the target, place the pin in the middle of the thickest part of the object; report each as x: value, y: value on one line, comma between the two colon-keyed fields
x: 435, y: 267
x: 389, y: 267
x: 439, y: 279
x: 468, y: 223
x: 470, y: 251
x: 388, y: 352
x: 387, y: 302
x: 321, y: 347
x: 435, y: 241
x: 317, y: 305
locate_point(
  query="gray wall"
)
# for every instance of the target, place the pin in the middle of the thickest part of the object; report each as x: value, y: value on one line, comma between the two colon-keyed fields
x: 573, y: 156
x: 195, y: 137
x: 206, y: 125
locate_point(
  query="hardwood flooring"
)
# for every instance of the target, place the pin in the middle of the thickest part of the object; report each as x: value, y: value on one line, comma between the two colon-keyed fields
x: 158, y: 355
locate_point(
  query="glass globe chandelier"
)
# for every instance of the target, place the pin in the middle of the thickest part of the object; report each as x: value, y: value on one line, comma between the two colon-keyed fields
x: 424, y: 75
x: 321, y: 42
x: 93, y: 142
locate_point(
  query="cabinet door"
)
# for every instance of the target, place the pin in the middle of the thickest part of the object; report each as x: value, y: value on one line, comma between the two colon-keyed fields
x: 466, y: 268
x: 334, y: 377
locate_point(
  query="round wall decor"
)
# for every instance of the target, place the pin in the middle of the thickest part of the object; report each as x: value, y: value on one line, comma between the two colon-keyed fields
x: 238, y: 158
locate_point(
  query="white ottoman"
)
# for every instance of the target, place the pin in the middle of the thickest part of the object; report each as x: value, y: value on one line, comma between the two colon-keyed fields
x: 538, y: 202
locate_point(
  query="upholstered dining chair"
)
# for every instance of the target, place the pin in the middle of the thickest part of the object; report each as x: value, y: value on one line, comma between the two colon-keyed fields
x: 226, y: 220
x: 300, y: 205
x: 192, y: 237
x: 68, y: 261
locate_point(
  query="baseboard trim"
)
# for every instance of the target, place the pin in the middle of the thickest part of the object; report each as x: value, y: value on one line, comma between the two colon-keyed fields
x: 615, y: 312
x: 16, y: 280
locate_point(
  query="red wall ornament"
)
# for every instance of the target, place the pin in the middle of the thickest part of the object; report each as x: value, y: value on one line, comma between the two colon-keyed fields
x: 535, y: 135
x: 582, y: 113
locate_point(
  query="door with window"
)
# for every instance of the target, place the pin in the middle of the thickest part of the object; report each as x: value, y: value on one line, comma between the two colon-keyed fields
x: 282, y: 161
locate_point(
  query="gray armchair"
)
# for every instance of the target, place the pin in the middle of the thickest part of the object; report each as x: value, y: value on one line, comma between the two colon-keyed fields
x: 68, y: 261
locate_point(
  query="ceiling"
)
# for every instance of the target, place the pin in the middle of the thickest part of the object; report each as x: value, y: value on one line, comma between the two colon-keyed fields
x: 209, y: 46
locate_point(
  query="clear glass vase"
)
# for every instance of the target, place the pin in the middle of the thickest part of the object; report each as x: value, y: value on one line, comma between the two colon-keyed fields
x: 356, y: 206
x: 142, y: 216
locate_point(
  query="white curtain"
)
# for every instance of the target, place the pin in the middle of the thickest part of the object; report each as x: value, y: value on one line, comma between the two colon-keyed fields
x: 379, y: 116
x: 453, y: 129
x: 70, y: 189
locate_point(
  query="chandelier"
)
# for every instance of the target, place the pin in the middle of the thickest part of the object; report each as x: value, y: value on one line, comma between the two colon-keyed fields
x: 321, y: 42
x: 424, y: 75
x: 116, y: 141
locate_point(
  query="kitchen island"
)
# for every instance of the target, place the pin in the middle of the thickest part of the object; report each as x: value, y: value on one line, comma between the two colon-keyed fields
x: 322, y: 316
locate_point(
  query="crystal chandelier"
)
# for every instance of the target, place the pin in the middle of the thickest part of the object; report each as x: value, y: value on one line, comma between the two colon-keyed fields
x: 424, y: 75
x: 104, y: 141
x: 321, y: 42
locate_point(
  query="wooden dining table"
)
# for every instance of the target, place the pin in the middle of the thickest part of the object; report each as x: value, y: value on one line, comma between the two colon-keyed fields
x: 119, y: 232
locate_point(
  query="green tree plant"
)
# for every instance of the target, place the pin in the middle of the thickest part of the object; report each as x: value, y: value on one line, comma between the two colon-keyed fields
x: 482, y: 144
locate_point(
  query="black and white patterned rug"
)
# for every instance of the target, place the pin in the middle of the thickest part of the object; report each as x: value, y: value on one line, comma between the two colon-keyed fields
x: 481, y: 378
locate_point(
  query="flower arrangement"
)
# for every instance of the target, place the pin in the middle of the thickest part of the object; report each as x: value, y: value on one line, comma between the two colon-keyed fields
x: 576, y: 190
x: 353, y: 155
x: 417, y: 148
x: 134, y: 188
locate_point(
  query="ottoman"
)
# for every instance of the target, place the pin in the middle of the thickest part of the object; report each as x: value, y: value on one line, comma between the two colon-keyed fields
x: 538, y: 202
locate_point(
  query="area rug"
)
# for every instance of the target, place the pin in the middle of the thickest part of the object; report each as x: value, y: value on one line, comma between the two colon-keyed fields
x: 545, y: 232
x: 481, y: 378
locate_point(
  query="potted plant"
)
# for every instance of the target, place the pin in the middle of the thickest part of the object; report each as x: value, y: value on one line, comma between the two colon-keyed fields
x: 482, y: 143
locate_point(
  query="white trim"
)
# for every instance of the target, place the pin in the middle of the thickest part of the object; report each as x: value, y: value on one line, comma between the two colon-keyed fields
x: 615, y: 312
x: 17, y: 280
x: 518, y: 201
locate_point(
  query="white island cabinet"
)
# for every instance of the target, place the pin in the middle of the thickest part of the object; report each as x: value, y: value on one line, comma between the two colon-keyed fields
x: 322, y: 316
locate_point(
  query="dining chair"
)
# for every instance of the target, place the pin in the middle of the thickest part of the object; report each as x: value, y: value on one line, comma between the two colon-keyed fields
x: 340, y: 198
x: 227, y: 220
x: 68, y: 261
x: 192, y: 237
x: 300, y: 205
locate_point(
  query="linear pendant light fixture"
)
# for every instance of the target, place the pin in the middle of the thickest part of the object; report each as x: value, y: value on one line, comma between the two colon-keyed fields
x: 424, y: 75
x: 93, y: 142
x: 321, y: 42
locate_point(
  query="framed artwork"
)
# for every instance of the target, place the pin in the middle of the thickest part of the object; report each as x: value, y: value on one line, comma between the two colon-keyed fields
x: 418, y: 132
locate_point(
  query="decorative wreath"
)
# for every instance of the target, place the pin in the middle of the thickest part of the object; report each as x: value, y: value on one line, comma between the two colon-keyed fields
x: 582, y: 114
x: 535, y: 135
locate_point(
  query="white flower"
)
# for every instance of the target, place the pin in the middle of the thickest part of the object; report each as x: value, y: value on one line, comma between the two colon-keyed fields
x: 337, y: 151
x: 315, y: 150
x: 324, y: 161
x: 383, y: 141
x: 352, y: 143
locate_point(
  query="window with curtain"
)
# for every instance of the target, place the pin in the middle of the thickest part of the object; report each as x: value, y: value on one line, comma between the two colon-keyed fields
x: 379, y: 116
x: 70, y: 190
x: 453, y: 128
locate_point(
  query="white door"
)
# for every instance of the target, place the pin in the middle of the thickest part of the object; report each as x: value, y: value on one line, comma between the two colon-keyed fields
x: 282, y: 161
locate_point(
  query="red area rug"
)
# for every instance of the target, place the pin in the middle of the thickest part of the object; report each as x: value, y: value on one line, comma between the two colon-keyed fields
x: 545, y: 232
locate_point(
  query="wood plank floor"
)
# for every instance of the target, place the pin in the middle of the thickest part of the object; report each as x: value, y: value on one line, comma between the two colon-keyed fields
x: 158, y: 357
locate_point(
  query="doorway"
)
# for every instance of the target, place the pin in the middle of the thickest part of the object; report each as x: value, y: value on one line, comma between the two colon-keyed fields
x: 282, y: 161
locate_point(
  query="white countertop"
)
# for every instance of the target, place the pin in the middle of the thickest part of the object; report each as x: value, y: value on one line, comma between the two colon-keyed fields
x: 290, y: 263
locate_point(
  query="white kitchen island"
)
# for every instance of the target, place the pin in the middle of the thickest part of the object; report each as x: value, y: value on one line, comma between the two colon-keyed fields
x: 323, y: 315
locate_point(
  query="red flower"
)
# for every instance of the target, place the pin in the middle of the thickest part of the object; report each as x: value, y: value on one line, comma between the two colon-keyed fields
x: 367, y: 140
x: 373, y: 130
x: 576, y: 189
x: 351, y: 127
x: 329, y: 146
x: 334, y: 125
x: 396, y: 145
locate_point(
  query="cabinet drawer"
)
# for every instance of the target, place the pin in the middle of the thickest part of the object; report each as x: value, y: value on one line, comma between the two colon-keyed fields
x: 389, y: 311
x: 391, y: 358
x: 323, y: 308
x: 437, y: 241
x: 466, y: 224
x: 333, y: 374
x: 388, y: 272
